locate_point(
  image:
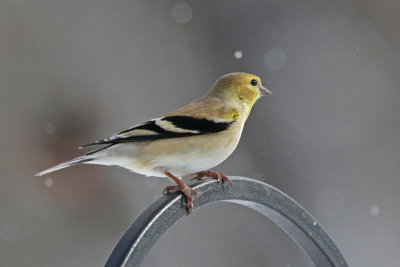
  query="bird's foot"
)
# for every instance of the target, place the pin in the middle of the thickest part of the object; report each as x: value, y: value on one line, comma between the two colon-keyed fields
x: 219, y: 176
x: 182, y: 187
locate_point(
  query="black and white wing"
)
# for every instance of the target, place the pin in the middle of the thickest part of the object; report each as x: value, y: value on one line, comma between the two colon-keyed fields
x: 166, y: 127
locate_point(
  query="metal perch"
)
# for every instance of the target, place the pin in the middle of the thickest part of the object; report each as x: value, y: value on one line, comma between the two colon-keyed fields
x: 259, y: 196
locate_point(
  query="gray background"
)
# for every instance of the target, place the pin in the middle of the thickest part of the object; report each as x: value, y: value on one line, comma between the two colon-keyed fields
x: 75, y: 71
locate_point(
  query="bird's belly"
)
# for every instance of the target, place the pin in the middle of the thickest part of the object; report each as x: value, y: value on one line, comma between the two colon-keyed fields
x: 189, y: 163
x: 182, y: 156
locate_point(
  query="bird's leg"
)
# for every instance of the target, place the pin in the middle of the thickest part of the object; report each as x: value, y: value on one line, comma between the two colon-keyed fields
x: 181, y: 186
x: 219, y: 176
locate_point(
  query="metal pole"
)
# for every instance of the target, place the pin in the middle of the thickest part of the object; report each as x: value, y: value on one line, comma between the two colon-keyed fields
x: 259, y: 196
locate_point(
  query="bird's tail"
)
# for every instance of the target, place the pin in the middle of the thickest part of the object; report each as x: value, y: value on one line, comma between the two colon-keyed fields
x: 75, y: 161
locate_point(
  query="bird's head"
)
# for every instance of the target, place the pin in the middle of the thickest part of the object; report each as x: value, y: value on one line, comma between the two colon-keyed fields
x: 243, y: 88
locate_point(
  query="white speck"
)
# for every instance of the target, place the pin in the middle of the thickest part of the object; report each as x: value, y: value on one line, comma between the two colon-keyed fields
x: 181, y: 13
x: 48, y: 182
x: 374, y: 210
x: 314, y: 223
x: 328, y: 201
x: 8, y: 231
x: 357, y: 50
x: 275, y: 59
x: 238, y: 54
x: 50, y: 128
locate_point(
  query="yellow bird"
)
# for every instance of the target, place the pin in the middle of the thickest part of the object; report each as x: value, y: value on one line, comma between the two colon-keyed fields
x: 187, y: 141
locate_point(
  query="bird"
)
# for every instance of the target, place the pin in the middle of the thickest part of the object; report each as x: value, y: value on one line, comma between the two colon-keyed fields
x: 186, y: 142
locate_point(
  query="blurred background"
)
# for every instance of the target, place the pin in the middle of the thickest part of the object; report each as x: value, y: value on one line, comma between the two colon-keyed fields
x: 79, y: 70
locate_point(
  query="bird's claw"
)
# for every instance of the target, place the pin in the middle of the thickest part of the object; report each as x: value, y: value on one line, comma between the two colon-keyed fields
x: 186, y: 190
x: 219, y: 176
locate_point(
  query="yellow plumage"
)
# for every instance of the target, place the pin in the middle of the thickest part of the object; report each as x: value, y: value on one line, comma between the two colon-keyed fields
x: 189, y: 140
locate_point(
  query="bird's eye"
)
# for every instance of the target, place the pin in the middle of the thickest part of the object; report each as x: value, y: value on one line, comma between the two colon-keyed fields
x: 253, y: 82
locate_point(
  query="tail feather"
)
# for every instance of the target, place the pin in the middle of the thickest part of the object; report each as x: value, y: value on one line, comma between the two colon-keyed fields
x: 63, y: 165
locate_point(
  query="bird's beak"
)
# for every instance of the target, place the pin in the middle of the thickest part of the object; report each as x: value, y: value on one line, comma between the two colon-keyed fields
x: 264, y: 91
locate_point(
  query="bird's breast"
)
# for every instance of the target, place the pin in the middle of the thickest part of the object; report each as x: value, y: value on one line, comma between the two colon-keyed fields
x: 182, y: 156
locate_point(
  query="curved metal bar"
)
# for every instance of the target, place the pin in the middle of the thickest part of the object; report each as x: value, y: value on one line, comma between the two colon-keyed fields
x: 259, y: 196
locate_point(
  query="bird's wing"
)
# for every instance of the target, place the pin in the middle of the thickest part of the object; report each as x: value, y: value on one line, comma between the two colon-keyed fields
x: 175, y: 125
x: 166, y: 127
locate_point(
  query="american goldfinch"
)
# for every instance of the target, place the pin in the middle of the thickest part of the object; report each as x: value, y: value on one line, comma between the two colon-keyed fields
x: 187, y: 141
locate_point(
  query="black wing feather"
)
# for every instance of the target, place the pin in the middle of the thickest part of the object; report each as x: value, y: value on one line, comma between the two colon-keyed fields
x: 201, y: 126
